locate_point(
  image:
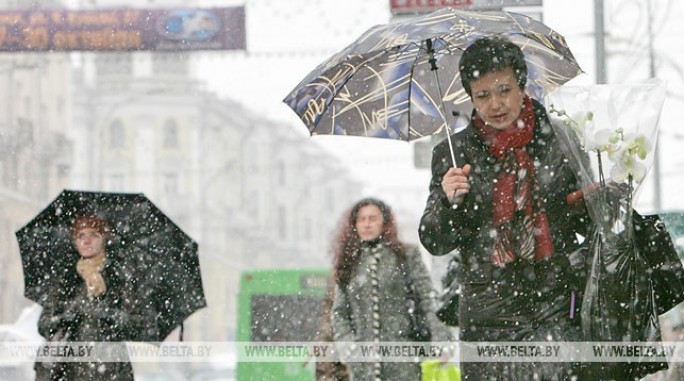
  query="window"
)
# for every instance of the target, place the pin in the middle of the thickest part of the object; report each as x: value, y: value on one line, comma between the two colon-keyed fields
x: 253, y: 201
x: 170, y: 183
x: 282, y: 223
x: 27, y: 106
x: 117, y: 135
x: 117, y: 183
x: 306, y: 228
x: 112, y: 64
x: 329, y: 199
x: 63, y: 170
x: 171, y: 134
x: 170, y: 64
x: 252, y: 158
x: 280, y: 172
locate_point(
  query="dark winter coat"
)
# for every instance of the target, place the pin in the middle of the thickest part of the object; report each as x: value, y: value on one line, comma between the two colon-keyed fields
x: 70, y: 316
x: 353, y: 316
x: 521, y: 301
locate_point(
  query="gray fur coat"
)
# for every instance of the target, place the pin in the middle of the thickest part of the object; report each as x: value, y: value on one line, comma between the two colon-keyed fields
x: 353, y: 309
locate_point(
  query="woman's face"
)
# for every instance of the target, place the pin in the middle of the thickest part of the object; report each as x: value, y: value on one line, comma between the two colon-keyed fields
x: 497, y: 98
x: 369, y: 222
x: 89, y: 242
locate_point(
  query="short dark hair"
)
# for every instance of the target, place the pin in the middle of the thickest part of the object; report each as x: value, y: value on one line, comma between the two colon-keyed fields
x: 492, y: 54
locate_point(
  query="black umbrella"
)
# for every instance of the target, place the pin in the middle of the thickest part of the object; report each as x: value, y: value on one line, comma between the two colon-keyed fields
x: 144, y: 238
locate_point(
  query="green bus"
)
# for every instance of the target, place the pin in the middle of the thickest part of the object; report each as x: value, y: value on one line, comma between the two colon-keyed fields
x: 279, y: 305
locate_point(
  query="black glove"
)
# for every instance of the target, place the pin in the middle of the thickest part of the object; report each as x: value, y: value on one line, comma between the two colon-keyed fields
x: 115, y: 317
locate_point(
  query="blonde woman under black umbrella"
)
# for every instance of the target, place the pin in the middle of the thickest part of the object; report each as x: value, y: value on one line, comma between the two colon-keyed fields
x: 93, y: 303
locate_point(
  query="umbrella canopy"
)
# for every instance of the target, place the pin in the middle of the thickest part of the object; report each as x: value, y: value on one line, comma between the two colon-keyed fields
x: 383, y: 84
x: 164, y: 258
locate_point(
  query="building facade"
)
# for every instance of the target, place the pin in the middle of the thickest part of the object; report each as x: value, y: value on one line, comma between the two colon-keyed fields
x: 34, y: 155
x: 251, y: 192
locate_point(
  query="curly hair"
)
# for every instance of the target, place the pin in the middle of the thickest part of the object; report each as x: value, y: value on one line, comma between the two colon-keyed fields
x: 347, y: 243
x: 90, y: 221
x: 491, y: 54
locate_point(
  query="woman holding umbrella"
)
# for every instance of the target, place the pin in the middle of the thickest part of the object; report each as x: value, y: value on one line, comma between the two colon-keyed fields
x: 94, y: 303
x: 374, y: 273
x: 503, y: 206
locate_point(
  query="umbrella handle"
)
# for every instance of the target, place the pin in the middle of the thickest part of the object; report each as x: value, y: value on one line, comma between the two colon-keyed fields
x: 432, y: 60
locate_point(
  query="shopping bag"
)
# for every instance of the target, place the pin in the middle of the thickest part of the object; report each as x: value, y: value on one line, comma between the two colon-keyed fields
x: 660, y: 254
x: 436, y: 370
x: 448, y: 301
x: 420, y: 326
x: 636, y: 276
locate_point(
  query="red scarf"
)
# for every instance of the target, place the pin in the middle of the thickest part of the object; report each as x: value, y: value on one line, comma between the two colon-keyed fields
x: 520, y: 221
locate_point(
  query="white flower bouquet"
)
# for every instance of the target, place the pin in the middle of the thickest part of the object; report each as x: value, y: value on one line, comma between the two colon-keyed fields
x: 609, y: 134
x: 615, y: 128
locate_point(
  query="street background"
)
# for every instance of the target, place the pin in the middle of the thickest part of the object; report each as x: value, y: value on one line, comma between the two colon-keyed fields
x: 243, y: 177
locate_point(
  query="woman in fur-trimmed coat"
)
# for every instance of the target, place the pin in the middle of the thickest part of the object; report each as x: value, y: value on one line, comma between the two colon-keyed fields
x: 374, y: 273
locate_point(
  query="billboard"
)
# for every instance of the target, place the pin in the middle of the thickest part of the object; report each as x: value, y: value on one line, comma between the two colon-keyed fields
x: 123, y: 29
x: 423, y: 6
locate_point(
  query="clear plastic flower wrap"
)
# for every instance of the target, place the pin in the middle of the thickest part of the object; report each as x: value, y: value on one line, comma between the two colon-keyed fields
x: 609, y: 134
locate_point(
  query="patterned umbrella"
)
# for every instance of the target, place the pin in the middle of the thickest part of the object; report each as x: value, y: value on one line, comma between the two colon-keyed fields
x: 401, y: 80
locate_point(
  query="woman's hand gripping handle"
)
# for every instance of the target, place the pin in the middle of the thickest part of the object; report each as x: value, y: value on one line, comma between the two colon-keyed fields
x: 456, y: 184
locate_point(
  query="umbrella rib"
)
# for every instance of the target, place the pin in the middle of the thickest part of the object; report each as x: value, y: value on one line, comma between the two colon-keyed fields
x: 441, y: 99
x: 384, y: 90
x: 408, y: 109
x: 552, y: 77
x: 329, y: 83
x: 356, y: 105
x: 371, y: 94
